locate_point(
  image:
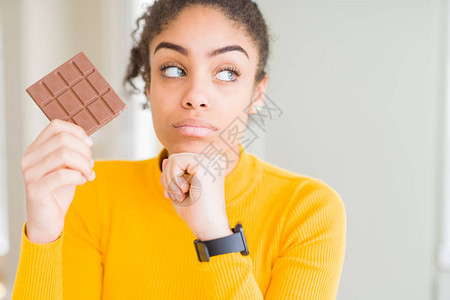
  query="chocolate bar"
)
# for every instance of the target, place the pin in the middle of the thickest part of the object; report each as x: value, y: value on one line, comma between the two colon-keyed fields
x: 78, y: 93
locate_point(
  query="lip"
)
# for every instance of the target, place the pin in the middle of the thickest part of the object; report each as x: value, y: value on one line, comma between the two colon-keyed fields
x: 194, y: 127
x: 194, y: 131
x: 195, y: 122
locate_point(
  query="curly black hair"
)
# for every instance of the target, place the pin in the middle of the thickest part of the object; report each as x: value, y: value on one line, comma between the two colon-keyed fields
x: 158, y: 16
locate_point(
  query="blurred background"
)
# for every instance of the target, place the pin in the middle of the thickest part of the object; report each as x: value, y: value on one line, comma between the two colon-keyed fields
x: 363, y: 87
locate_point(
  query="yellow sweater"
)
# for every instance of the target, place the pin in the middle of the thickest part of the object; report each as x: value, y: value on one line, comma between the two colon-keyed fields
x: 122, y: 239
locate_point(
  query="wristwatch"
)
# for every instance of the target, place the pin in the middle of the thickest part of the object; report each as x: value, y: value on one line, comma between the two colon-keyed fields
x: 232, y: 243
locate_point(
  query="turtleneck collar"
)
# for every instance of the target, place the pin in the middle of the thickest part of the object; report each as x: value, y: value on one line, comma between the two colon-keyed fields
x: 238, y: 183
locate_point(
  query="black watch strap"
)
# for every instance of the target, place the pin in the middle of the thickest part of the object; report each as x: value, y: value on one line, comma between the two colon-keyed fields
x: 232, y: 243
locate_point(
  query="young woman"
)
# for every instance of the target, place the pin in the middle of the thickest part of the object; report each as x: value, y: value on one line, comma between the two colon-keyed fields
x: 129, y: 234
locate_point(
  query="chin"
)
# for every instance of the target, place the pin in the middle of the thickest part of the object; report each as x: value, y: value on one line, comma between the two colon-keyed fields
x: 194, y: 145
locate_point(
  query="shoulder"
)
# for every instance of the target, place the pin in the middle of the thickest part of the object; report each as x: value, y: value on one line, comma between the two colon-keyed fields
x: 304, y: 192
x: 312, y: 208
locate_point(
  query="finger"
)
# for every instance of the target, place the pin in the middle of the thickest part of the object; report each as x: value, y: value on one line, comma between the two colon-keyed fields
x: 175, y: 179
x: 59, y: 140
x: 172, y: 195
x: 62, y: 158
x: 62, y: 177
x: 166, y: 176
x: 183, y: 183
x: 56, y: 126
x: 58, y: 179
x: 190, y: 163
x: 176, y: 196
x: 172, y: 182
x: 178, y: 183
x: 164, y: 163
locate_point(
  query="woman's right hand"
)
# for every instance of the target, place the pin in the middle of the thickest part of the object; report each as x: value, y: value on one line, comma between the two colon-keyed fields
x: 58, y: 160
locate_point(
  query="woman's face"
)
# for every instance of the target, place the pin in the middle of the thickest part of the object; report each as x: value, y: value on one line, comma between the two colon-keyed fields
x: 189, y: 79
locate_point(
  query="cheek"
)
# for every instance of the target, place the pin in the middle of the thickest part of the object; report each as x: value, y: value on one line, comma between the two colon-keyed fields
x: 235, y: 112
x: 163, y: 99
x: 238, y: 98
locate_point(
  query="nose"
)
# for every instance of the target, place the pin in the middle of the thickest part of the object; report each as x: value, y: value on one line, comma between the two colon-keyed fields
x: 194, y: 103
x: 197, y: 94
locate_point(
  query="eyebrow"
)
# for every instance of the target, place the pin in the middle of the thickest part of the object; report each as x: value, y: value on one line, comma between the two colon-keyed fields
x: 210, y: 54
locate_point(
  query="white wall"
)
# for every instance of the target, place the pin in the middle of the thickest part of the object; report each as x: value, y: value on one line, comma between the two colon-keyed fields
x: 361, y: 86
x: 10, y: 11
x: 39, y: 36
x: 4, y: 228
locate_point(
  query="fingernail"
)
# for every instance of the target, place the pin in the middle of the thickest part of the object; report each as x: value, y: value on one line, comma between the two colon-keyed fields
x: 166, y: 195
x: 92, y: 176
x: 89, y: 141
x: 92, y: 162
x: 173, y: 196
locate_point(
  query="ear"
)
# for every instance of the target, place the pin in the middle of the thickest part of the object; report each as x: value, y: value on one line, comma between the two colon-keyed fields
x: 147, y: 92
x: 258, y: 95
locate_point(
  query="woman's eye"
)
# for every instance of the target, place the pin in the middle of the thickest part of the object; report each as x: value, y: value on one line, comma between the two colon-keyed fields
x: 173, y: 72
x: 226, y: 75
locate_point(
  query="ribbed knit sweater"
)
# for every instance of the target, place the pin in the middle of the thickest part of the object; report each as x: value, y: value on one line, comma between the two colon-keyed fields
x: 122, y: 239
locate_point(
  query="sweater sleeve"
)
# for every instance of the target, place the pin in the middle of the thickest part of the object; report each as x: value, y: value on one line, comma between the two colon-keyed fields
x: 309, y: 263
x: 311, y: 256
x: 71, y: 266
x: 230, y: 277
